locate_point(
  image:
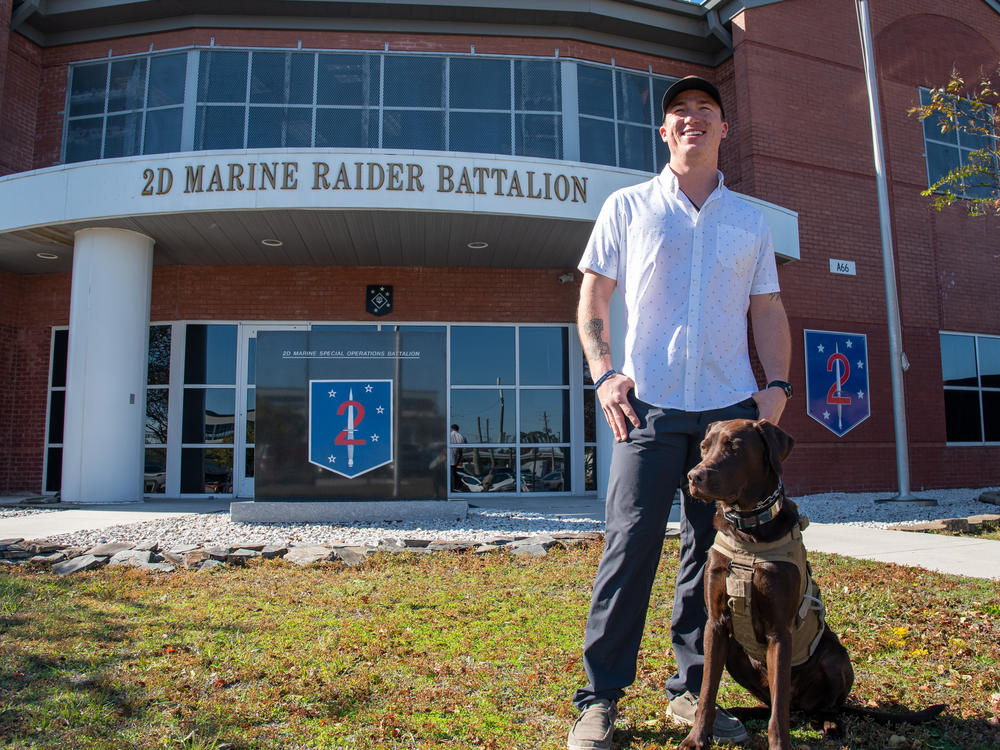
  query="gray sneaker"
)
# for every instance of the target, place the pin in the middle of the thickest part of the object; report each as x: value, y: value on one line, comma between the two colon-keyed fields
x: 593, y: 728
x: 727, y: 729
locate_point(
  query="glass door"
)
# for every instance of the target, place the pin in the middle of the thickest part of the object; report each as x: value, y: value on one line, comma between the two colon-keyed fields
x: 246, y: 403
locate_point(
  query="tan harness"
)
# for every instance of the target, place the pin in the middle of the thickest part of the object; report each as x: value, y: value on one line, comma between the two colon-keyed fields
x: 810, y: 619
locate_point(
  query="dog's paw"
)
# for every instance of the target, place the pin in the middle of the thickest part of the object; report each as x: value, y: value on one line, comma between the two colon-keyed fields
x: 692, y: 742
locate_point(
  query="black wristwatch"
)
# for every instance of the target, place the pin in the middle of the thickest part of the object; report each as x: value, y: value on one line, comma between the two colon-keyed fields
x: 783, y: 385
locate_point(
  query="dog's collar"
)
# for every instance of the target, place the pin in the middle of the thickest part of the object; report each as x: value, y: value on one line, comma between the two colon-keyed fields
x: 763, y: 512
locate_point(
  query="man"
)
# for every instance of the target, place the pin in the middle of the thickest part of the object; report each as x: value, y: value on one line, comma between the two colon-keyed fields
x: 690, y: 259
x: 457, y: 438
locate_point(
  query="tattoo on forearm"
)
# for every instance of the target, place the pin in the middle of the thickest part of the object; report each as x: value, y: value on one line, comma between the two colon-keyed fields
x: 595, y: 343
x: 775, y: 296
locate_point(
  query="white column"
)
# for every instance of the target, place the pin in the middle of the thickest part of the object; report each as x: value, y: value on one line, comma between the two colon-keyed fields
x: 103, y: 454
x: 606, y: 438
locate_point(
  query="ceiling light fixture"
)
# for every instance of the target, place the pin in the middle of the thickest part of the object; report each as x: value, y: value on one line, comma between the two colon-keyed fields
x: 478, y: 245
x: 272, y: 242
x: 47, y: 256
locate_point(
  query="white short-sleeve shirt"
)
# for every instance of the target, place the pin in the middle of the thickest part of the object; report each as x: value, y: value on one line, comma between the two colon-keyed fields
x: 686, y: 277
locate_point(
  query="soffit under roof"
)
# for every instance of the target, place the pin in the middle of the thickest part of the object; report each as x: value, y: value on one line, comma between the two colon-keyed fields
x: 668, y: 28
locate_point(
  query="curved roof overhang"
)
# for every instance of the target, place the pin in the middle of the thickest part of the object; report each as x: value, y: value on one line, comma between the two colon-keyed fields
x: 328, y: 208
x: 668, y: 28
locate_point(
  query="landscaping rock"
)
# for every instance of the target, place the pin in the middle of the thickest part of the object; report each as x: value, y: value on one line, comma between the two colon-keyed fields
x: 240, y: 556
x: 77, y: 564
x: 55, y: 557
x: 482, y: 549
x: 149, y: 545
x: 5, y: 543
x: 211, y: 564
x: 991, y: 496
x: 352, y: 556
x: 156, y: 567
x: 307, y: 554
x: 108, y: 550
x: 270, y: 551
x: 132, y: 557
x: 194, y: 558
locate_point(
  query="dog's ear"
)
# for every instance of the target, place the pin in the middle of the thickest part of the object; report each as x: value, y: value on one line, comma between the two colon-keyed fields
x: 778, y: 443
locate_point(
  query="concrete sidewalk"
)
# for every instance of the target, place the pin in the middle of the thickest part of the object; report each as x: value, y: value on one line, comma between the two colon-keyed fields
x: 967, y: 556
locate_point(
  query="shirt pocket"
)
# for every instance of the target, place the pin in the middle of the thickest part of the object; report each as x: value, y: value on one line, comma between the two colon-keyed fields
x: 736, y: 248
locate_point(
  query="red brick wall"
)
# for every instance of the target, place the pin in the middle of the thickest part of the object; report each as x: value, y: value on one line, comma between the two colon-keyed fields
x: 20, y: 65
x: 806, y: 144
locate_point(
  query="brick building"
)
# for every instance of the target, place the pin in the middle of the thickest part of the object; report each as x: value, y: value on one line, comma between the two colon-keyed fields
x: 174, y: 181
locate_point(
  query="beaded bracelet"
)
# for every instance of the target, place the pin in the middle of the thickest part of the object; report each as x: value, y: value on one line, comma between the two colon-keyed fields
x: 605, y: 376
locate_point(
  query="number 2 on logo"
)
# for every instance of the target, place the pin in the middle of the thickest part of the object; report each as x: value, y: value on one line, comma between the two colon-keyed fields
x: 831, y: 397
x: 342, y: 438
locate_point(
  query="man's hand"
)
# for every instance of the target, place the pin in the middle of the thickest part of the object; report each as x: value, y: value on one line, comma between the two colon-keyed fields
x: 613, y: 395
x: 770, y: 403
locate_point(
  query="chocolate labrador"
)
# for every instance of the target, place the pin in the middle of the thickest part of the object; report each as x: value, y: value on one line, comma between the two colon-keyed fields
x: 765, y: 616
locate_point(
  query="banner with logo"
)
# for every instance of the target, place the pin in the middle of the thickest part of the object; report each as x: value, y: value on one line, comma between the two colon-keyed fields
x: 837, y: 393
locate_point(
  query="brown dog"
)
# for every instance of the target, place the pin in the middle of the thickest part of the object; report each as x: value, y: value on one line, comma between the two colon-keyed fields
x: 765, y: 617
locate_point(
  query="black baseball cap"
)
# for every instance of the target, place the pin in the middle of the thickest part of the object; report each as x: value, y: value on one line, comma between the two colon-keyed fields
x: 693, y: 82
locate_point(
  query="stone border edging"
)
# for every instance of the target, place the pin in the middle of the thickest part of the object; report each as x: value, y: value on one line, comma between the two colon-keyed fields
x: 63, y: 559
x: 963, y: 525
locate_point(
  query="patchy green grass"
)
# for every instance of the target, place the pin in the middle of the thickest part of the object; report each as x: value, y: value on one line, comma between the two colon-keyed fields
x: 985, y: 530
x: 439, y: 651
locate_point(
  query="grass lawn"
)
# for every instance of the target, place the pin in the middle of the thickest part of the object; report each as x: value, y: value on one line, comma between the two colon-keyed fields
x: 439, y: 651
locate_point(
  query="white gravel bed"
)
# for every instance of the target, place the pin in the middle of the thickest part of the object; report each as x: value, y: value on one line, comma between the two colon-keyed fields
x: 485, y: 525
x: 16, y: 512
x: 216, y: 528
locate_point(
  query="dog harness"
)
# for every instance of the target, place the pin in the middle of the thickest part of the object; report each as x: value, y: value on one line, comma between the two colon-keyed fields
x: 810, y: 619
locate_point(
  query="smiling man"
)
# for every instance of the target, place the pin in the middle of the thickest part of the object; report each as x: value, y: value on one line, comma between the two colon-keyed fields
x: 690, y: 259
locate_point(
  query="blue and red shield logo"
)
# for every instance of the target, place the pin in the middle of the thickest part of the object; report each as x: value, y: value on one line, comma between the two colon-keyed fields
x: 350, y: 425
x: 837, y: 379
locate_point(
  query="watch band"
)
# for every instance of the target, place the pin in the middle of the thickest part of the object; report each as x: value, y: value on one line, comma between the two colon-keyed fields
x: 783, y: 385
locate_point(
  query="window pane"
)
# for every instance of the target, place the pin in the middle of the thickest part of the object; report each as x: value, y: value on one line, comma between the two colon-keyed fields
x: 989, y: 362
x: 57, y: 415
x: 122, y: 134
x: 660, y: 86
x: 127, y: 87
x: 281, y: 78
x: 537, y: 85
x: 479, y: 84
x: 156, y: 415
x: 991, y: 416
x: 83, y: 139
x: 633, y: 98
x: 958, y: 360
x: 163, y: 131
x: 167, y: 74
x: 940, y: 160
x: 545, y: 416
x: 279, y: 127
x: 961, y: 414
x: 488, y: 470
x: 251, y: 416
x: 597, y: 141
x: 590, y: 416
x: 154, y: 477
x: 53, y: 470
x: 482, y: 355
x: 635, y: 147
x: 210, y: 355
x: 348, y: 79
x: 975, y: 124
x: 486, y: 132
x: 60, y: 342
x: 932, y: 125
x: 209, y: 415
x: 207, y: 470
x: 413, y: 81
x: 222, y: 77
x: 484, y: 415
x: 983, y: 180
x: 347, y: 128
x: 594, y: 91
x: 413, y: 129
x: 87, y: 92
x: 544, y: 356
x: 158, y: 367
x: 539, y: 135
x: 590, y: 468
x: 544, y: 469
x: 219, y: 127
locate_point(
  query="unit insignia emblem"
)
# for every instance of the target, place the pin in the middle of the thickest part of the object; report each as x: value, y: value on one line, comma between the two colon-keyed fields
x: 350, y: 425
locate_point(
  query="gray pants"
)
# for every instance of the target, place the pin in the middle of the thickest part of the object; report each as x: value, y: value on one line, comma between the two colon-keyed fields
x: 645, y: 472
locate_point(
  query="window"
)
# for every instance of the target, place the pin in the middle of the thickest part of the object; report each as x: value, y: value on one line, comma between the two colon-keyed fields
x: 57, y: 410
x: 948, y: 151
x: 511, y: 399
x: 272, y: 98
x: 125, y: 107
x: 970, y: 371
